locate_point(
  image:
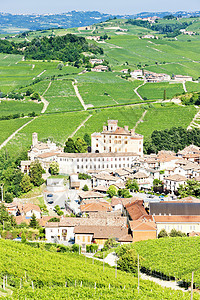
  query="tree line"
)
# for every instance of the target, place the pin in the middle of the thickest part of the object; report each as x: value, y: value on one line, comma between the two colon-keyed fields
x: 67, y: 48
x: 173, y: 139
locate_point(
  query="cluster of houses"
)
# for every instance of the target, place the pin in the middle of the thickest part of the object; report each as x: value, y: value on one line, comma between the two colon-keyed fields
x: 153, y: 77
x: 116, y: 156
x: 184, y: 31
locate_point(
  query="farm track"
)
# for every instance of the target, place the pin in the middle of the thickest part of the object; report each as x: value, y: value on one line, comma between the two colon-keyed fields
x: 184, y: 87
x: 78, y: 94
x: 82, y: 124
x: 136, y: 91
x: 44, y: 101
x: 193, y: 124
x: 14, y: 133
x: 140, y: 120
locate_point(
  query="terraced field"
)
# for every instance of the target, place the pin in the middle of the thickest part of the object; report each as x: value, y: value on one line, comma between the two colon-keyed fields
x: 8, y: 107
x: 192, y: 86
x: 155, y: 91
x: 159, y: 118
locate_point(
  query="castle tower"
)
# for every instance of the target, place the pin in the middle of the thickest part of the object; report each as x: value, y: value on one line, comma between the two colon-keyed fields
x: 34, y: 139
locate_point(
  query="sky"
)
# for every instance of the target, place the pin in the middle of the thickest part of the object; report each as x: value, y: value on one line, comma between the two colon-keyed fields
x: 106, y: 6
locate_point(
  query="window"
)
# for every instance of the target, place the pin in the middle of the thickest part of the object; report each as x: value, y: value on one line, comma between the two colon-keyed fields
x: 78, y: 238
x: 83, y: 239
x: 97, y: 145
x: 110, y: 141
x: 88, y: 239
x: 77, y: 159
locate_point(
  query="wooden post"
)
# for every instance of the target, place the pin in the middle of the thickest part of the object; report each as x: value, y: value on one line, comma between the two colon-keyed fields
x: 95, y: 285
x: 32, y: 285
x: 116, y: 269
x: 138, y: 274
x: 4, y: 285
x: 81, y: 284
x: 191, y: 298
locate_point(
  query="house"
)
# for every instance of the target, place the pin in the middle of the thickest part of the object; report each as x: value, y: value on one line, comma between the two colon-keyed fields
x: 84, y: 162
x: 104, y: 179
x: 99, y: 68
x: 173, y: 182
x: 154, y: 77
x: 86, y: 235
x: 95, y: 207
x: 124, y: 71
x: 95, y: 38
x: 143, y: 229
x: 182, y: 78
x: 148, y: 36
x: 135, y: 210
x: 29, y: 209
x: 185, y: 224
x: 90, y: 196
x: 115, y: 139
x: 137, y: 74
x: 96, y: 61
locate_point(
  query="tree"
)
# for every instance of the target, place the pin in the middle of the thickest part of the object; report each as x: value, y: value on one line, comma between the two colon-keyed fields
x: 54, y: 168
x: 23, y: 237
x: 80, y: 146
x: 163, y: 233
x: 191, y: 188
x: 36, y: 172
x: 128, y: 262
x: 33, y: 222
x: 29, y: 91
x: 60, y: 66
x: 8, y: 197
x: 124, y: 193
x: 85, y: 188
x: 5, y: 219
x: 26, y: 184
x: 132, y: 185
x: 69, y: 146
x: 54, y: 219
x: 87, y: 139
x: 35, y: 96
x: 175, y: 233
x: 112, y: 191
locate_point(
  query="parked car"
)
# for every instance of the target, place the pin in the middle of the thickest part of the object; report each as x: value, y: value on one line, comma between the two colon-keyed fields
x: 49, y: 195
x: 50, y: 201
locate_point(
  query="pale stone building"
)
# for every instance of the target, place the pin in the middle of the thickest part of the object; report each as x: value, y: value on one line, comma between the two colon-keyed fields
x: 114, y: 139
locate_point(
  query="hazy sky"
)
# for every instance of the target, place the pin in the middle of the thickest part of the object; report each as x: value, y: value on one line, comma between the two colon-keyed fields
x: 107, y: 6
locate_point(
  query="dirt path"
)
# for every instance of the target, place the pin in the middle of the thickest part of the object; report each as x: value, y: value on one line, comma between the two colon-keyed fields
x: 44, y: 101
x: 136, y: 91
x: 140, y: 120
x: 168, y: 284
x: 82, y: 124
x: 14, y: 133
x: 74, y: 83
x: 184, y: 87
x: 193, y: 124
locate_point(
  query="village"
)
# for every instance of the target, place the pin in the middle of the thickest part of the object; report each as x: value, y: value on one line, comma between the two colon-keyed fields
x: 113, y: 191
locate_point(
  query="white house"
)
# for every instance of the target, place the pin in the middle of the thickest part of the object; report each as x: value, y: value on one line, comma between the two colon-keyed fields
x: 172, y: 183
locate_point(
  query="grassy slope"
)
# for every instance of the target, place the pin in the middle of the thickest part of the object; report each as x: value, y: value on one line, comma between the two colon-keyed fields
x: 159, y: 118
x: 154, y: 91
x: 7, y: 127
x: 19, y: 107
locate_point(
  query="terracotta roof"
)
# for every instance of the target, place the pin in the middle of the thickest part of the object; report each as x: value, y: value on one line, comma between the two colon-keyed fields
x: 96, y: 155
x: 136, y: 209
x: 116, y: 201
x: 102, y: 206
x: 48, y: 154
x: 119, y: 185
x: 29, y: 206
x: 140, y: 175
x: 142, y: 225
x: 89, y: 194
x: 176, y: 177
x: 100, y: 188
x: 104, y: 176
x: 22, y: 219
x: 177, y: 219
x: 190, y: 199
x: 104, y: 232
x: 122, y: 172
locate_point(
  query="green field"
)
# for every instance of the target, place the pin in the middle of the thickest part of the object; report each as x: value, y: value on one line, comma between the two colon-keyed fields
x: 163, y: 117
x: 55, y: 126
x: 125, y: 115
x: 8, y: 107
x: 192, y: 87
x: 155, y: 91
x: 7, y: 127
x: 176, y: 257
x: 76, y: 277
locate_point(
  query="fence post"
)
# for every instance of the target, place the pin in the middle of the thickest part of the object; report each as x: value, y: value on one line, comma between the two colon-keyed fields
x: 191, y: 298
x: 32, y: 285
x: 81, y: 284
x: 95, y: 285
x: 138, y: 274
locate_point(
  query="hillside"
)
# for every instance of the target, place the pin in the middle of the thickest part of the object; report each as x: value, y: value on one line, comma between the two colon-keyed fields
x: 67, y: 275
x: 11, y: 23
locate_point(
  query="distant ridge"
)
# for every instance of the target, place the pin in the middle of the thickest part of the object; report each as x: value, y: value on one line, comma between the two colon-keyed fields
x: 24, y: 22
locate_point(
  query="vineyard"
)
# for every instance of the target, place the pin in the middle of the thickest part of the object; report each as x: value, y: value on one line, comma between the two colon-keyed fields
x: 172, y: 257
x: 34, y: 273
